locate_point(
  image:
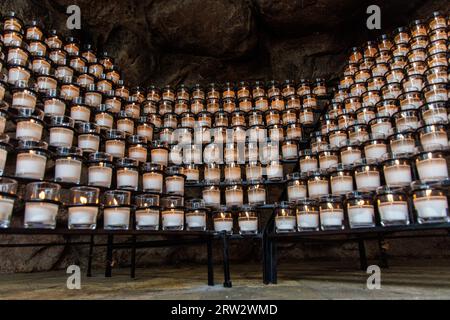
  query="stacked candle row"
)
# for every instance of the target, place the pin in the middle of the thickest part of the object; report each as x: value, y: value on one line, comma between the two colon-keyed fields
x: 386, y: 207
x: 43, y: 208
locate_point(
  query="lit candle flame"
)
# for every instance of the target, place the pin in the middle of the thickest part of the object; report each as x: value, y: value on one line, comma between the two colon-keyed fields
x: 83, y: 200
x: 428, y: 192
x: 390, y: 198
x: 42, y: 195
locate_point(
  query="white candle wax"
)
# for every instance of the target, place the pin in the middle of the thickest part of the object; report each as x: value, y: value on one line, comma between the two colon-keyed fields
x: 68, y: 170
x: 27, y: 130
x: 326, y: 162
x: 54, y: 107
x: 104, y: 120
x: 234, y: 198
x: 403, y: 146
x: 285, y: 223
x: 248, y: 225
x: 393, y: 212
x: 361, y: 215
x: 40, y: 214
x: 80, y: 113
x: 147, y: 219
x: 138, y: 153
x: 341, y: 184
x: 381, y: 128
x: 274, y: 171
x: 430, y: 140
x: 337, y: 138
x: 350, y: 157
x: 89, y: 142
x: 431, y: 207
x: 83, y: 217
x: 332, y: 218
x: 153, y: 182
x: 375, y: 151
x: 160, y: 156
x: 211, y: 198
x: 296, y: 191
x: 6, y: 209
x: 256, y: 196
x: 175, y: 185
x: 2, y: 124
x: 127, y: 179
x: 253, y: 173
x: 308, y: 221
x: 116, y: 148
x: 317, y: 188
x: 100, y: 176
x: 3, y: 156
x: 367, y: 180
x: 61, y: 137
x: 432, y: 169
x: 212, y: 174
x: 173, y: 220
x: 233, y: 173
x: 30, y: 165
x: 197, y: 221
x: 435, y: 116
x: 407, y: 123
x: 116, y: 218
x: 398, y: 175
x: 125, y: 126
x: 24, y: 99
x: 225, y: 224
x: 192, y: 174
x: 145, y: 131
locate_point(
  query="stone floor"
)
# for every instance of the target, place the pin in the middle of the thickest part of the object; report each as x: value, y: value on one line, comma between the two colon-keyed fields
x: 425, y: 279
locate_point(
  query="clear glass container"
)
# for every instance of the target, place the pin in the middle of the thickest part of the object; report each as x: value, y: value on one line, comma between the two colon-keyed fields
x: 307, y: 213
x: 100, y: 169
x: 296, y: 188
x: 83, y: 208
x: 41, y: 205
x: 285, y: 219
x: 318, y: 184
x: 68, y: 164
x: 248, y: 221
x: 8, y: 195
x: 223, y: 220
x: 392, y: 207
x: 147, y: 212
x: 331, y: 213
x: 175, y: 181
x: 117, y: 210
x: 430, y: 203
x: 31, y: 159
x: 234, y: 195
x: 172, y: 213
x: 256, y: 194
x: 196, y: 213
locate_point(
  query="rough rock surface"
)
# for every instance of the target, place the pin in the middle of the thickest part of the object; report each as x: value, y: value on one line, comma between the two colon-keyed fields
x: 190, y: 41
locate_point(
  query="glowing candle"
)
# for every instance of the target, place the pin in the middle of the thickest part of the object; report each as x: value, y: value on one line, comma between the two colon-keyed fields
x: 41, y: 206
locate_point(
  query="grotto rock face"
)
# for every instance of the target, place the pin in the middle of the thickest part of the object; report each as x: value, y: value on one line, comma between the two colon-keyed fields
x: 190, y: 41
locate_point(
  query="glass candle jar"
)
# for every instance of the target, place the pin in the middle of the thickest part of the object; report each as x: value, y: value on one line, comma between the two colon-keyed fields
x: 318, y: 141
x: 29, y: 124
x: 23, y: 96
x: 403, y: 142
x: 8, y: 191
x: 197, y: 106
x: 117, y: 210
x: 17, y: 72
x: 153, y: 177
x: 223, y: 221
x: 174, y: 181
x: 350, y: 153
x: 360, y: 210
x: 306, y: 115
x: 211, y: 196
x: 432, y: 165
x: 83, y: 208
x: 358, y: 133
x: 272, y: 117
x: 41, y: 205
x: 104, y: 118
x: 381, y: 127
x: 433, y: 137
x: 100, y: 169
x: 137, y: 148
x: 79, y: 111
x: 317, y: 184
x: 232, y: 172
x: 212, y: 173
x: 331, y: 213
x: 166, y: 135
x: 202, y: 135
x: 115, y: 143
x: 307, y: 213
x: 434, y: 113
x: 387, y: 107
x: 234, y: 195
x: 5, y: 148
x: 392, y: 207
x: 285, y: 219
x: 192, y: 173
x: 253, y: 171
x: 296, y: 188
x: 256, y: 194
x: 430, y: 204
x: 397, y: 170
x: 328, y: 158
x: 375, y: 149
x: 274, y: 170
x: 294, y: 131
x: 221, y: 119
x: 127, y: 174
x: 261, y: 103
x: 248, y: 221
x: 341, y: 180
x: 147, y: 212
x: 88, y: 137
x: 367, y: 176
x: 68, y: 164
x: 196, y: 215
x: 308, y: 161
x: 435, y: 92
x: 406, y: 120
x: 159, y: 153
x: 172, y: 213
x: 31, y: 159
x: 336, y: 137
x: 61, y: 131
x: 125, y: 122
x: 289, y: 150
